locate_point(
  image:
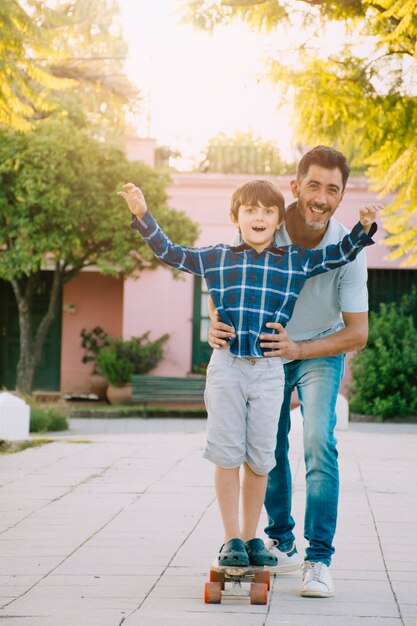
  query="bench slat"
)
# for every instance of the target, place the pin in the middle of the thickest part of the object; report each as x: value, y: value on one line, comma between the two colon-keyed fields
x: 147, y: 388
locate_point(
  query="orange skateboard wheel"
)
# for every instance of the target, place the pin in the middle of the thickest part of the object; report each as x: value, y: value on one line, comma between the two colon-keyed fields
x: 258, y: 593
x: 213, y: 593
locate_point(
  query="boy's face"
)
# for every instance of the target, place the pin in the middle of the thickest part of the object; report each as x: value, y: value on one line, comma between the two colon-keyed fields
x: 257, y: 224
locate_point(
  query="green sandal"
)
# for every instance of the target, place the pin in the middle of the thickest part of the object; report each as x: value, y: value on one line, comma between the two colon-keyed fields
x: 233, y: 552
x: 258, y: 554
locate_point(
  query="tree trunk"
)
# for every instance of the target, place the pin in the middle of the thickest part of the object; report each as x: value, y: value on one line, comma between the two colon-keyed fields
x: 32, y: 340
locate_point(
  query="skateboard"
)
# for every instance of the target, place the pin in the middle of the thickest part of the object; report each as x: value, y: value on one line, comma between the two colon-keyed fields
x: 216, y: 590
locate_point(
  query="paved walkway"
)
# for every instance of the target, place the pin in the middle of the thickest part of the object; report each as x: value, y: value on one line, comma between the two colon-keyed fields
x: 121, y: 529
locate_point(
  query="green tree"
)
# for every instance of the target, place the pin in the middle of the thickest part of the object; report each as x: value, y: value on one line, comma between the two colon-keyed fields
x: 242, y: 152
x: 59, y: 211
x: 363, y: 94
x: 60, y: 55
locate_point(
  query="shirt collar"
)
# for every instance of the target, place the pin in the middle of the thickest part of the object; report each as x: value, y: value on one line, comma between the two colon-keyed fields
x: 271, y: 248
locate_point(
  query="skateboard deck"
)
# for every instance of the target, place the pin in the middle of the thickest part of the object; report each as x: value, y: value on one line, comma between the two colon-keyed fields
x: 226, y: 583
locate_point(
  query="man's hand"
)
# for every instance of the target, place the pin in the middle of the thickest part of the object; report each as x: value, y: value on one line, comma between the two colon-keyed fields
x: 219, y: 334
x: 135, y: 199
x: 279, y: 344
x: 367, y: 216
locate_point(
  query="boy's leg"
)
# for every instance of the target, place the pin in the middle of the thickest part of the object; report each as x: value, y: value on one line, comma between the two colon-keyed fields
x: 253, y: 494
x: 265, y: 393
x: 227, y: 484
x: 226, y: 446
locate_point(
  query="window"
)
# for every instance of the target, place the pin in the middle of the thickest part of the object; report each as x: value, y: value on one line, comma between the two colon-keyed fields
x: 201, y: 325
x: 389, y: 285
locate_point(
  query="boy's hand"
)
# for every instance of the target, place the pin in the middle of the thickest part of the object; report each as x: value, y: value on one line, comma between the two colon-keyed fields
x: 367, y: 216
x: 135, y: 199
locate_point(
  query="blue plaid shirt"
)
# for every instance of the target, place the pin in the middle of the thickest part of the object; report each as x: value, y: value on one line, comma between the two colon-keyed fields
x: 250, y: 289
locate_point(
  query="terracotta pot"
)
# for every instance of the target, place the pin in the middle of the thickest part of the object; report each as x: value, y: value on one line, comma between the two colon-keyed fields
x: 98, y: 385
x: 119, y: 395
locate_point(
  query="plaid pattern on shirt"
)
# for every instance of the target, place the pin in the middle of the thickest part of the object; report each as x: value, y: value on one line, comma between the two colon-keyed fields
x: 250, y: 289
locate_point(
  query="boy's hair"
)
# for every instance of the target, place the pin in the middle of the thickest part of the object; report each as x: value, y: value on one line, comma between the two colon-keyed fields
x: 324, y: 157
x: 258, y: 191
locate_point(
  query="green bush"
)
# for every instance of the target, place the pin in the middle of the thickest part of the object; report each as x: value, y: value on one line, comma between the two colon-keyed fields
x: 92, y: 340
x: 384, y: 374
x: 43, y: 420
x: 122, y: 358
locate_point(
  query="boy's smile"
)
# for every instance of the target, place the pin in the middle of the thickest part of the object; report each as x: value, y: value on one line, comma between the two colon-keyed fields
x: 257, y: 224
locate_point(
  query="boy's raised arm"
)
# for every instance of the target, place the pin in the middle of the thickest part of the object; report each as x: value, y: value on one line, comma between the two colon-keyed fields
x: 135, y: 199
x: 318, y: 261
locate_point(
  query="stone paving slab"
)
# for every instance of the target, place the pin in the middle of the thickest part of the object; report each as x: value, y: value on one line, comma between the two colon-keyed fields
x: 121, y: 530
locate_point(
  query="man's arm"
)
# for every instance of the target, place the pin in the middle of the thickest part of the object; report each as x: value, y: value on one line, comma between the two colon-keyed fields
x: 352, y: 337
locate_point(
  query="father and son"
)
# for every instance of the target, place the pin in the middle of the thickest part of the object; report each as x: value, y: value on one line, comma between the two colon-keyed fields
x: 274, y: 331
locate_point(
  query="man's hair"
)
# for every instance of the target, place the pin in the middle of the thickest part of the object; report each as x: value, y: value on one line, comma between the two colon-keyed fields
x: 326, y: 157
x: 255, y: 192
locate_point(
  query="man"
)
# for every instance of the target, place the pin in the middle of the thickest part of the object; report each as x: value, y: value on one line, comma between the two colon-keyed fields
x: 330, y: 319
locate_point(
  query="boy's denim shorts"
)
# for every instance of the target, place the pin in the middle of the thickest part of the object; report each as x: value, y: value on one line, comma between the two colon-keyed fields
x: 243, y: 398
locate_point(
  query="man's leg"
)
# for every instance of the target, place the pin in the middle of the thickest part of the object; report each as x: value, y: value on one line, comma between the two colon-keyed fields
x: 318, y: 382
x: 279, y: 492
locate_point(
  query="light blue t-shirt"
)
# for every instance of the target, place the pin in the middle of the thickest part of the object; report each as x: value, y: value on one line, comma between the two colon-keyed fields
x: 318, y: 311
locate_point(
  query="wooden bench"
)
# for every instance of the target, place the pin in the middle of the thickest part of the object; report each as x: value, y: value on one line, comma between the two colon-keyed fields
x: 167, y: 389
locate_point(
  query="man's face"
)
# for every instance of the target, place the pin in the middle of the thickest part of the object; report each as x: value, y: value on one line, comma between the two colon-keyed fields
x: 318, y: 195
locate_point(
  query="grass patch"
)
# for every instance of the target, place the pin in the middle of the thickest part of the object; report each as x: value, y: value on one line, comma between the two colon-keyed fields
x: 135, y: 411
x: 78, y: 441
x: 43, y: 420
x: 10, y: 447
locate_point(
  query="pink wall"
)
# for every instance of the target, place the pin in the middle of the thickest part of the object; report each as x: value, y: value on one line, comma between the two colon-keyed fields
x: 89, y: 300
x: 158, y: 303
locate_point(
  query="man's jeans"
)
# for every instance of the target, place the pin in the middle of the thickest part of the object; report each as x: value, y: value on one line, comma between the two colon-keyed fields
x: 317, y: 382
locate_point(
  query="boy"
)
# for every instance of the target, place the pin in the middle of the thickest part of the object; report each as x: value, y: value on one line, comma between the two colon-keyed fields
x: 250, y: 284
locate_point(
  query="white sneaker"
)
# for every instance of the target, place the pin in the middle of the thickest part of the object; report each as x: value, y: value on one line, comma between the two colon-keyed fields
x: 287, y: 561
x: 317, y: 581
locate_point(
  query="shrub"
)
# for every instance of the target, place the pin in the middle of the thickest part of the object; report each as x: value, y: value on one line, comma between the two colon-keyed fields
x: 384, y: 374
x: 120, y: 359
x: 42, y: 420
x: 92, y: 340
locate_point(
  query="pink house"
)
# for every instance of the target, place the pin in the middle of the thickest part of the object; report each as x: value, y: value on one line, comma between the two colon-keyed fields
x: 156, y: 302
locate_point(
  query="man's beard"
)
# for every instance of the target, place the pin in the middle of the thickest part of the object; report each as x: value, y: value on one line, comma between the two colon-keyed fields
x: 313, y: 224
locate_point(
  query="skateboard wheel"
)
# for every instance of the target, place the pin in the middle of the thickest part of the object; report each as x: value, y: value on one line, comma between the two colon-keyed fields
x: 263, y: 577
x: 219, y: 577
x: 213, y: 593
x: 258, y: 593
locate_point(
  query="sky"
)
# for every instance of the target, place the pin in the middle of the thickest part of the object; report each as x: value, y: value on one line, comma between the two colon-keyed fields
x: 196, y: 85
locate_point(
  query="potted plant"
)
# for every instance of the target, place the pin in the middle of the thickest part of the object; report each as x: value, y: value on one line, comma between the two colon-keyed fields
x: 92, y: 340
x: 121, y: 358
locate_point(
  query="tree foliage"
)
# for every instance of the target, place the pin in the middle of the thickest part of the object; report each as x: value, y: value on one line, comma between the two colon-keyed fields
x: 361, y: 97
x: 67, y: 54
x: 242, y: 153
x: 59, y: 211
